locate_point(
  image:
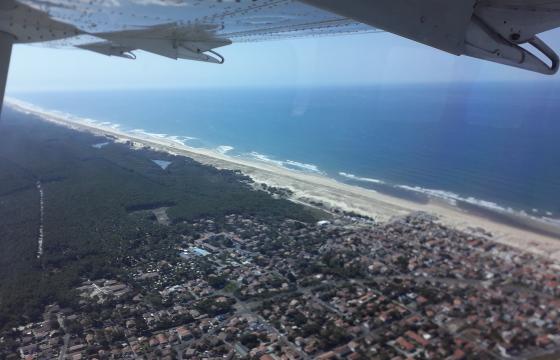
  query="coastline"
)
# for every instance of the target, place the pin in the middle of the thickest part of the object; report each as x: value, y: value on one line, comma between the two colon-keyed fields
x: 307, y: 187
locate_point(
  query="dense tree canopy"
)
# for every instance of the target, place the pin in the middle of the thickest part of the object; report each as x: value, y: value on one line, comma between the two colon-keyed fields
x: 91, y: 199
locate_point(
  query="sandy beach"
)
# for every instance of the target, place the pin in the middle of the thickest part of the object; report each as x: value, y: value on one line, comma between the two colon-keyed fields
x: 308, y: 187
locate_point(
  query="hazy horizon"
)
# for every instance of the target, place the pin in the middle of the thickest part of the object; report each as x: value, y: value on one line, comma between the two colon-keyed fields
x: 349, y: 60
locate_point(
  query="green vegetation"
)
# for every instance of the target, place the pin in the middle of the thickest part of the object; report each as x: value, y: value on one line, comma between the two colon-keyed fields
x: 91, y: 219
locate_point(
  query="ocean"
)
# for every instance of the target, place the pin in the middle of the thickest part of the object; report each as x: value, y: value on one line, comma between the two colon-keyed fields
x: 495, y: 146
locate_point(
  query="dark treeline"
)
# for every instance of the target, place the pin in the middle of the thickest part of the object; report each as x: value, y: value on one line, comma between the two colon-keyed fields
x: 89, y: 194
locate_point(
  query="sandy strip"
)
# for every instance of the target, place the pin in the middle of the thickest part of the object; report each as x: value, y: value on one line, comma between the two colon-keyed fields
x: 308, y: 187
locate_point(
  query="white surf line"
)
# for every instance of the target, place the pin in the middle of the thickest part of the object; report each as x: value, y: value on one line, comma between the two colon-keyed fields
x: 41, y: 221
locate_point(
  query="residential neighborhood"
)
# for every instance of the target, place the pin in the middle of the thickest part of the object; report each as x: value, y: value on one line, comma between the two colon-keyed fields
x: 346, y: 288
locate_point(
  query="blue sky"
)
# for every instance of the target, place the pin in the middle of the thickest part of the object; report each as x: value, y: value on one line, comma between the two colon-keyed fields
x: 330, y: 61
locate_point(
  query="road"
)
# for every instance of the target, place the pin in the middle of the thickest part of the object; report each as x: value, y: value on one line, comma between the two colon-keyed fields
x: 41, y: 219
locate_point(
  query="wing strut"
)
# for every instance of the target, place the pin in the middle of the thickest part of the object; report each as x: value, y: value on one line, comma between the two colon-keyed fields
x: 6, y: 43
x: 493, y: 30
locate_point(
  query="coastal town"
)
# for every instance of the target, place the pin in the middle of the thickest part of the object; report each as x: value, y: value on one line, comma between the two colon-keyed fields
x: 344, y: 288
x: 279, y: 180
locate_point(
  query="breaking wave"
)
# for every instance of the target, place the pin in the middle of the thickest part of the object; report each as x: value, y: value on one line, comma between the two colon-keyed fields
x: 180, y: 140
x: 260, y: 157
x: 453, y: 198
x: 358, y: 178
x: 287, y: 164
x: 224, y: 149
x: 302, y: 166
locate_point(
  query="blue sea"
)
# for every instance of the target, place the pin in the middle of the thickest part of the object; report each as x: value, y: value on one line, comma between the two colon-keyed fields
x: 492, y: 145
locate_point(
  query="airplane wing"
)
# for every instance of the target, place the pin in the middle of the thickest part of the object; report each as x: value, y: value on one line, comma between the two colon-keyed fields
x: 502, y: 31
x: 179, y: 29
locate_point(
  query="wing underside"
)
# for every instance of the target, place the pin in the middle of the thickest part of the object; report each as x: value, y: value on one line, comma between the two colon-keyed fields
x: 181, y: 29
x: 494, y: 30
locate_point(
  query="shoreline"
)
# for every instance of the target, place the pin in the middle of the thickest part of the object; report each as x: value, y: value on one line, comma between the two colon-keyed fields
x: 307, y: 187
